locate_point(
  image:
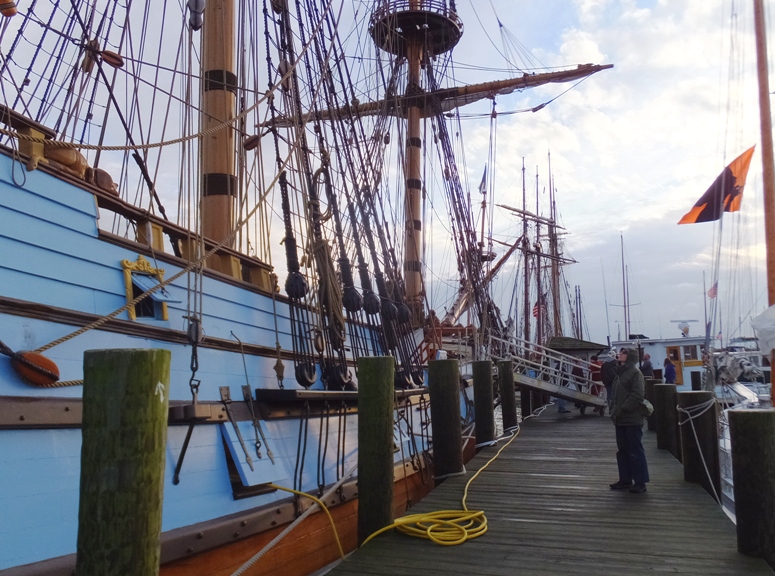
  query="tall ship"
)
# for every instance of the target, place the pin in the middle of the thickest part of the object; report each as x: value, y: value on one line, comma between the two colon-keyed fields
x: 245, y: 184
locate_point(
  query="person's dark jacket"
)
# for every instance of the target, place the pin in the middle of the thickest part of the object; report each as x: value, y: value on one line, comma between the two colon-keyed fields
x: 608, y: 373
x: 670, y: 373
x: 628, y: 388
x: 647, y: 369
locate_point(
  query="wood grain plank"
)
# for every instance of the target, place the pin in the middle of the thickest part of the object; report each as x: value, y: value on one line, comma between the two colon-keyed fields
x: 550, y: 511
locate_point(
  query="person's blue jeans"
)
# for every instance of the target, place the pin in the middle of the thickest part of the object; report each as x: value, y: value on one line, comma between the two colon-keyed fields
x: 631, y: 458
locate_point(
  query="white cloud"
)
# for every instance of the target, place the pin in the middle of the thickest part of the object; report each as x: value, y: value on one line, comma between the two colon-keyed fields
x: 634, y: 147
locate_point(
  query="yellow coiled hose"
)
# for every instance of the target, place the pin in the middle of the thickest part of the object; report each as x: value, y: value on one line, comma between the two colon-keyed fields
x: 447, y: 527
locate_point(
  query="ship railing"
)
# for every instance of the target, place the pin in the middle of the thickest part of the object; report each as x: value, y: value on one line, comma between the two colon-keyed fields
x: 543, y: 363
x: 392, y: 7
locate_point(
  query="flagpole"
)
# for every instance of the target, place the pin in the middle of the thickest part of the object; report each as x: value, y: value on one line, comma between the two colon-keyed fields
x: 624, y: 291
x: 705, y: 306
x: 768, y: 166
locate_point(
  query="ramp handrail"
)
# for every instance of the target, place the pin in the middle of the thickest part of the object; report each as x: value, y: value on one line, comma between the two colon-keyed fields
x: 547, y: 364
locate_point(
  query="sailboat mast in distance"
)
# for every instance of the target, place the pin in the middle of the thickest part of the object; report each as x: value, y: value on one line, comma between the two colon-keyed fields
x: 526, y: 254
x: 555, y: 255
x: 624, y: 294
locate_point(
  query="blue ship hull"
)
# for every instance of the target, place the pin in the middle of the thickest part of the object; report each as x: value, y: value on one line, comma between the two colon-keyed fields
x: 58, y: 271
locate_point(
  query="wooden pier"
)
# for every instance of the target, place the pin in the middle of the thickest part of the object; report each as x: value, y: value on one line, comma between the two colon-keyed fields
x: 550, y: 511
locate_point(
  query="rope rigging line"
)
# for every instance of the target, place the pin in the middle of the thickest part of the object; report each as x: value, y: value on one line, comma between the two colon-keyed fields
x: 308, y: 337
x: 367, y: 209
x: 99, y: 322
x: 468, y: 253
x: 231, y: 122
x: 332, y: 322
x: 372, y: 306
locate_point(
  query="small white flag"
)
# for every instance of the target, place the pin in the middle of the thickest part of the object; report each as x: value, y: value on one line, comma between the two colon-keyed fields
x: 483, y: 183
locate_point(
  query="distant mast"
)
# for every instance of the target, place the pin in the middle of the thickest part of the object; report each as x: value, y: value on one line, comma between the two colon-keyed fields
x: 554, y: 250
x: 625, y: 293
x: 768, y: 166
x: 416, y: 30
x: 219, y: 102
x: 526, y: 258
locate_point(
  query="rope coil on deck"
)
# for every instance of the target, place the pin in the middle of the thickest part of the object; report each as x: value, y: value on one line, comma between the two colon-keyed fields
x: 452, y: 527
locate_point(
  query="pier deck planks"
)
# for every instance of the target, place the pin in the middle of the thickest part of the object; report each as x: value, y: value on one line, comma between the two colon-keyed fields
x: 550, y: 511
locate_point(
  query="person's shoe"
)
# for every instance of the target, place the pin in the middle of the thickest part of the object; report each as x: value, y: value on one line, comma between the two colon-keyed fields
x: 638, y: 488
x: 622, y: 485
x: 564, y: 411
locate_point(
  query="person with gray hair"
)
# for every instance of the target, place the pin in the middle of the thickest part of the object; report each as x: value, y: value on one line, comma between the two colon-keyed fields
x: 646, y: 368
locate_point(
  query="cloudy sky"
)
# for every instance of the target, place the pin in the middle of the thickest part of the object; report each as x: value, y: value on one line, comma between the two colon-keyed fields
x: 632, y: 149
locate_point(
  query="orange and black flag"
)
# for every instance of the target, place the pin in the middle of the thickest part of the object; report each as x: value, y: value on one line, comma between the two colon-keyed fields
x: 724, y: 195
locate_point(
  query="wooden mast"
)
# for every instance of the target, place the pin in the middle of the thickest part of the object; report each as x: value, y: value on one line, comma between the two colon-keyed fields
x: 419, y: 30
x: 768, y: 166
x: 412, y: 207
x: 219, y: 97
x: 416, y: 30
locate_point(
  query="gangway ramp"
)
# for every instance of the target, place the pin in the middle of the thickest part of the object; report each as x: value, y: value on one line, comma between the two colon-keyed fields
x: 557, y: 390
x: 545, y: 370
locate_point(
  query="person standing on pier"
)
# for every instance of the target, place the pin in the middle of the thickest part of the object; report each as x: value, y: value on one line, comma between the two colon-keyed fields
x: 669, y: 372
x: 646, y: 368
x: 628, y: 391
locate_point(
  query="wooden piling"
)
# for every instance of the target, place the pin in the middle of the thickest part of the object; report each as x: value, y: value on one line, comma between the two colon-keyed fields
x: 538, y: 399
x: 525, y: 402
x: 666, y: 421
x: 701, y: 452
x: 444, y: 388
x: 507, y: 393
x: 483, y: 401
x: 125, y: 405
x: 649, y: 395
x: 375, y: 444
x: 753, y: 468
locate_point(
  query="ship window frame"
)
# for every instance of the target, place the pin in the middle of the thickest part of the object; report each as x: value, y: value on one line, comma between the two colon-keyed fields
x: 690, y: 352
x: 133, y: 272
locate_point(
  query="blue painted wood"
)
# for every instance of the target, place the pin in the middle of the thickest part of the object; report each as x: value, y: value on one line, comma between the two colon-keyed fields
x: 77, y: 272
x: 263, y: 469
x: 48, y: 236
x: 40, y: 470
x: 49, y: 198
x: 50, y: 254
